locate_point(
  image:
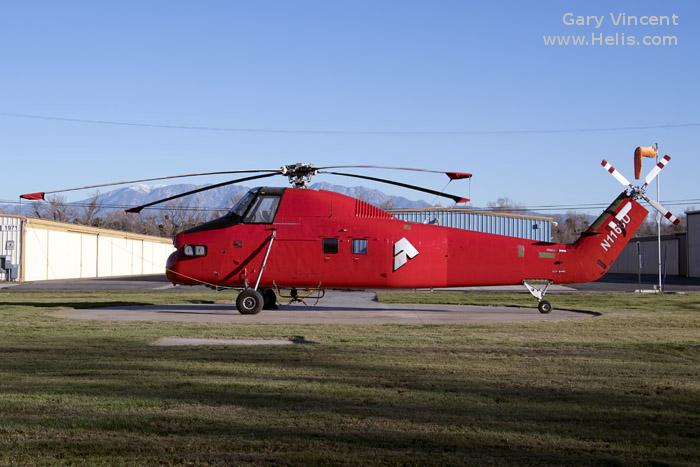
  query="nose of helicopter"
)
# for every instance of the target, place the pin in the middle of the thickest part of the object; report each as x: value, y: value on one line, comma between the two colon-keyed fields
x: 171, y: 268
x: 178, y: 270
x: 184, y: 265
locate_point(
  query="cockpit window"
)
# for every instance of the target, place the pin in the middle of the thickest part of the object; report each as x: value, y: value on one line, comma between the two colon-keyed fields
x: 240, y: 207
x: 263, y: 210
x: 258, y: 206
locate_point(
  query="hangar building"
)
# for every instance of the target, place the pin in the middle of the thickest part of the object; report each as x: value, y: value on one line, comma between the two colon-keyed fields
x: 37, y: 249
x: 680, y: 253
x: 674, y: 256
x: 514, y: 225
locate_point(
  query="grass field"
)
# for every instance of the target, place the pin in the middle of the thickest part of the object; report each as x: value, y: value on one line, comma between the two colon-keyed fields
x: 622, y: 387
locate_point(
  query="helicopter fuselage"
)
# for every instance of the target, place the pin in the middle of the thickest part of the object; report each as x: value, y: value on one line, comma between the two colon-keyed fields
x: 309, y: 238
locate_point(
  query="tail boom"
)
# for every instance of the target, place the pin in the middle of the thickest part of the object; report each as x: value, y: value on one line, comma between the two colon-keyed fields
x: 598, y: 247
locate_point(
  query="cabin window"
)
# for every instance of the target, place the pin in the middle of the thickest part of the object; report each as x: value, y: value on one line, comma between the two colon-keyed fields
x: 330, y: 246
x: 359, y: 246
x: 263, y: 210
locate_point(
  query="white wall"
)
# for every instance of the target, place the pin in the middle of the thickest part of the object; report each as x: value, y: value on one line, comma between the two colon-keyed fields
x: 64, y: 254
x: 36, y: 255
x: 88, y: 262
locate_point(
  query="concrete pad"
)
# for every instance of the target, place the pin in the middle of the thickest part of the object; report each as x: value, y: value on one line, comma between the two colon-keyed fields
x: 187, y: 341
x: 338, y: 307
x: 499, y: 288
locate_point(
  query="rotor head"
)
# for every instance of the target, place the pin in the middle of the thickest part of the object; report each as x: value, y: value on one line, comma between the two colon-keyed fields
x: 299, y: 174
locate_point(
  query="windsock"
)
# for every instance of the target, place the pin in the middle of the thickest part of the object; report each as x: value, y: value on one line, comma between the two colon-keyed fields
x: 642, y: 151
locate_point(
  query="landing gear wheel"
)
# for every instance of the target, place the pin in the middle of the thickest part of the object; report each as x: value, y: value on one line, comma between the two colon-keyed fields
x: 544, y: 306
x: 269, y: 300
x: 249, y: 302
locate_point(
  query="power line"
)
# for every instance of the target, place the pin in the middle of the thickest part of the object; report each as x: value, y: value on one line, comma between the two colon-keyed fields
x: 115, y: 206
x: 525, y: 131
x: 549, y: 207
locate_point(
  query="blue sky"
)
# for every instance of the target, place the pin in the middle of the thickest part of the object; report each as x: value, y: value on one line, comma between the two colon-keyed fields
x: 361, y: 65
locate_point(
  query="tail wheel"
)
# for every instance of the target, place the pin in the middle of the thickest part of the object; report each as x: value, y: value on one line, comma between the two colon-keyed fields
x: 249, y: 302
x: 544, y: 306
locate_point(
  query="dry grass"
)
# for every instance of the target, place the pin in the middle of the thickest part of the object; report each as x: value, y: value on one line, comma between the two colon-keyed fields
x: 619, y: 388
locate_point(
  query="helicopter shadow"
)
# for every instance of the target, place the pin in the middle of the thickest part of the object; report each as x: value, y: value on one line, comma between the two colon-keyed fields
x: 288, y: 310
x: 331, y: 309
x: 291, y: 310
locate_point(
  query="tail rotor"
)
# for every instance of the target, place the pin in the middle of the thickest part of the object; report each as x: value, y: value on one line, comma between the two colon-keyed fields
x: 637, y: 192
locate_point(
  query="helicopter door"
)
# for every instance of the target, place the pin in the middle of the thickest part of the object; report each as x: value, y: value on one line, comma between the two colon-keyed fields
x: 359, y: 248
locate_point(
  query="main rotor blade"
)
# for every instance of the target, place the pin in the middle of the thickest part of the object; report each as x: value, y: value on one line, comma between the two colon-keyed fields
x: 653, y: 173
x: 614, y: 172
x: 664, y: 212
x: 41, y: 194
x: 455, y: 198
x: 451, y: 175
x: 137, y: 209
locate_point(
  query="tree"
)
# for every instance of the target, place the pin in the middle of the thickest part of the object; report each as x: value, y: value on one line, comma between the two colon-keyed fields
x: 119, y: 220
x: 89, y: 215
x: 506, y: 205
x: 54, y: 209
x: 649, y: 227
x: 570, y: 226
x: 174, y: 219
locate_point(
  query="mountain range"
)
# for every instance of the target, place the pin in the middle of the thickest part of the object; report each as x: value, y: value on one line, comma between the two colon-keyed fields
x: 221, y: 198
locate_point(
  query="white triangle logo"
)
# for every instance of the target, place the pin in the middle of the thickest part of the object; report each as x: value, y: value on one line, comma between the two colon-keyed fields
x: 403, y: 251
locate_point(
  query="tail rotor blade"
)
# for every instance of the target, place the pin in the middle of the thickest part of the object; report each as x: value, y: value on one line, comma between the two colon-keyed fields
x: 664, y: 212
x: 615, y: 173
x: 653, y: 173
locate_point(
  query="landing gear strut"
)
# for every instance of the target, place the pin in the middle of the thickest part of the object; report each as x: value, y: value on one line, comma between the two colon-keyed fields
x: 250, y: 301
x: 538, y: 288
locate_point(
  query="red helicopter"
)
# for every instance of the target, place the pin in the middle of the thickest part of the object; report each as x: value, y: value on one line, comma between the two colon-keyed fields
x: 294, y: 238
